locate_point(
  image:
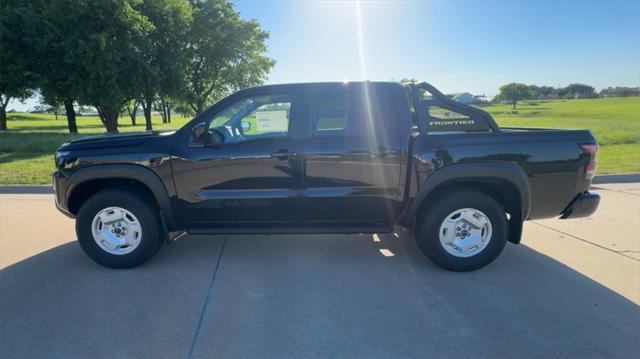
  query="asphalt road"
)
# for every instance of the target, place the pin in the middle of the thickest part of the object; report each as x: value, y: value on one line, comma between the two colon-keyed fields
x: 572, y: 289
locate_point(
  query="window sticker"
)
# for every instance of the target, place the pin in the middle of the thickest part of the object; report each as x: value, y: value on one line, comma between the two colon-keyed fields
x: 272, y: 121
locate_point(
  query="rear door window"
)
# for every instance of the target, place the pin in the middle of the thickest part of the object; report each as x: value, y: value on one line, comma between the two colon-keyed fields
x: 331, y: 114
x: 349, y: 111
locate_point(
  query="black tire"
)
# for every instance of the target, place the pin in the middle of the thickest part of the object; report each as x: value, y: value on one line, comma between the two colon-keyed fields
x: 147, y: 215
x: 428, y: 237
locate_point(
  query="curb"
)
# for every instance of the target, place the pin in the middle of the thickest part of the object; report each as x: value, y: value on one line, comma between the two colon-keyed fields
x: 26, y: 189
x: 48, y: 189
x: 621, y: 178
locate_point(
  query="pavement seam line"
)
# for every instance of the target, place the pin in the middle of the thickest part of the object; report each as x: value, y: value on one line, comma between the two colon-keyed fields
x: 616, y: 190
x: 205, y: 306
x: 589, y: 242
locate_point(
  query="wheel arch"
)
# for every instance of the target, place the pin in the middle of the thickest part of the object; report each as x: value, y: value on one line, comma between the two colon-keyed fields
x: 89, y: 180
x: 505, y: 182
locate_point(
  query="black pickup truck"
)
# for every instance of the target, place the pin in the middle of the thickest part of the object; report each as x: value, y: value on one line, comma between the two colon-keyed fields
x: 355, y: 157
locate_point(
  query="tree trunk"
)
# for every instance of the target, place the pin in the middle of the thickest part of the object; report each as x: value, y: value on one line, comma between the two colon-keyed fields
x: 71, y: 116
x: 514, y: 105
x: 160, y: 107
x: 4, y: 101
x: 146, y: 108
x: 55, y: 113
x: 199, y: 107
x: 133, y: 113
x: 164, y: 110
x: 169, y: 111
x: 3, y: 117
x: 109, y: 117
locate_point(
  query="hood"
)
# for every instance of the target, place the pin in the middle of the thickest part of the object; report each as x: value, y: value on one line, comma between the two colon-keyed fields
x: 111, y: 140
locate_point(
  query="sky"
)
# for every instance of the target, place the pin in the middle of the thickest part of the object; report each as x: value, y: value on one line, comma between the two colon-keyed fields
x: 458, y: 46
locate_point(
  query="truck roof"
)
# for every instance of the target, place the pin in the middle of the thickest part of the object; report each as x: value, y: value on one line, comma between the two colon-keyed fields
x: 320, y: 85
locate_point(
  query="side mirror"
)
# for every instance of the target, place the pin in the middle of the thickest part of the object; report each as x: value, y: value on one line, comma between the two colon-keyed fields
x: 202, y: 136
x: 246, y: 126
x: 199, y: 130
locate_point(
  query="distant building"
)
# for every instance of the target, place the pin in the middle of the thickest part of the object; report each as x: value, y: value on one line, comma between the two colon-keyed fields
x: 550, y: 96
x: 462, y: 97
x: 620, y: 92
x: 479, y: 100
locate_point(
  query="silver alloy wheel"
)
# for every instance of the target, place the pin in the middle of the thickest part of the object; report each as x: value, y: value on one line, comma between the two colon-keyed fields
x: 465, y: 232
x: 116, y: 230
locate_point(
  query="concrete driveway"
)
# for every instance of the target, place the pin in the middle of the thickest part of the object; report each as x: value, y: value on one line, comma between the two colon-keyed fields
x: 571, y: 290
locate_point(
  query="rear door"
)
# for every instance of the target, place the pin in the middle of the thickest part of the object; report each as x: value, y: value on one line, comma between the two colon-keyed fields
x: 355, y: 156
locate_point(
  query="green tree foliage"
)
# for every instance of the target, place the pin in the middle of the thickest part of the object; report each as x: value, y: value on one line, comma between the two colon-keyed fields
x: 16, y: 81
x: 514, y: 92
x: 577, y: 91
x: 113, y: 54
x: 54, y: 106
x: 52, y: 35
x: 163, y: 55
x: 108, y: 54
x: 544, y: 91
x: 406, y: 80
x: 132, y: 110
x: 225, y: 53
x: 534, y: 91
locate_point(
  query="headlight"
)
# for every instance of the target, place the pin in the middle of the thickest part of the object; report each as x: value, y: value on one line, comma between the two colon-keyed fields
x: 63, y: 159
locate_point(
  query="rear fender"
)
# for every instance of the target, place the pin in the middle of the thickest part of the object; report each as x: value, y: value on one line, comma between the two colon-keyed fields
x: 468, y: 172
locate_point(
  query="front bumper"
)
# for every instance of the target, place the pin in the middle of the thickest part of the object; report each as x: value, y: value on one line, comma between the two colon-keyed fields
x: 583, y: 205
x: 60, y: 189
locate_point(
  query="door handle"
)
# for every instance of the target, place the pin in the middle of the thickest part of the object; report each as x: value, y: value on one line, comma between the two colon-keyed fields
x: 282, y: 154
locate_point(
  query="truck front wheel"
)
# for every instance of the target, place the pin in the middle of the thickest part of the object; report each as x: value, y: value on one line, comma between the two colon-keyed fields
x: 118, y: 229
x: 463, y: 231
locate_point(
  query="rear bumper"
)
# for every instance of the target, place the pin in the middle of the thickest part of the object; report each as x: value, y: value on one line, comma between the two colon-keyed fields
x: 60, y: 189
x: 583, y: 205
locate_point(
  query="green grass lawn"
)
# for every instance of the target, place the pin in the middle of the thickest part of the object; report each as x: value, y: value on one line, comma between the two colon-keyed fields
x: 614, y: 121
x: 26, y: 150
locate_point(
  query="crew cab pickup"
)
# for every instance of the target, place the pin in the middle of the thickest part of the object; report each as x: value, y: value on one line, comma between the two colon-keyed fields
x: 355, y: 157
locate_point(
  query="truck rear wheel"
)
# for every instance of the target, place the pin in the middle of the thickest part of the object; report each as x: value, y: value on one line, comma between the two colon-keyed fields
x: 117, y: 229
x: 463, y: 231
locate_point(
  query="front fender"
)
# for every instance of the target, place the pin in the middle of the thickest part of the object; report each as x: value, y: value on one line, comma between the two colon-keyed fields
x: 126, y: 171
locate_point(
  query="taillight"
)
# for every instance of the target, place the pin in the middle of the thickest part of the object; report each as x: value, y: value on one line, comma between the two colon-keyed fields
x: 590, y: 168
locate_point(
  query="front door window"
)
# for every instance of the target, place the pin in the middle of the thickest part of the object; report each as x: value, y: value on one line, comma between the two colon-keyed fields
x: 259, y: 117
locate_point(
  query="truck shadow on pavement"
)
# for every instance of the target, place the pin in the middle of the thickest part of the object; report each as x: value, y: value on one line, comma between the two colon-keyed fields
x: 308, y: 296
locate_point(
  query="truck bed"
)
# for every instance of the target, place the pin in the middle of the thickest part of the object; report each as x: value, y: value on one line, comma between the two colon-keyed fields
x: 551, y: 158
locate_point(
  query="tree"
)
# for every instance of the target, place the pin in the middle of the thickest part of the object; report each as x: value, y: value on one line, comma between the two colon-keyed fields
x: 405, y: 80
x: 132, y: 109
x: 225, y: 53
x: 16, y: 81
x: 534, y: 92
x: 184, y: 109
x: 163, y: 56
x: 578, y: 91
x: 107, y: 51
x: 513, y: 93
x: 48, y: 36
x: 545, y: 91
x: 51, y: 105
x: 164, y: 105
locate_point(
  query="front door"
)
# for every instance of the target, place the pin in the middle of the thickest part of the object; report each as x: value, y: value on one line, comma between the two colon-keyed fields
x: 254, y: 175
